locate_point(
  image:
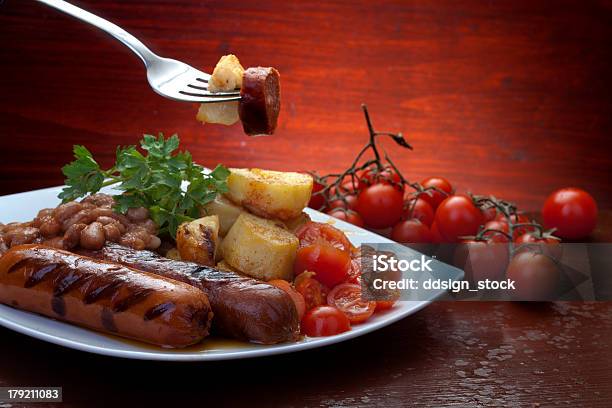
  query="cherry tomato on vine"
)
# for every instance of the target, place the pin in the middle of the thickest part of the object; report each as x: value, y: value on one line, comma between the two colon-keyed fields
x: 324, y: 321
x: 436, y: 197
x: 516, y: 219
x: 536, y: 276
x: 371, y: 176
x: 457, y: 216
x: 347, y: 298
x: 572, y: 211
x: 348, y: 216
x: 298, y: 299
x: 495, y: 236
x: 489, y: 214
x: 346, y: 187
x: 482, y: 260
x: 380, y: 205
x: 313, y: 292
x: 330, y: 265
x: 349, y: 202
x: 436, y: 237
x: 317, y: 201
x: 411, y: 232
x: 420, y: 210
x: 547, y: 245
x: 320, y: 232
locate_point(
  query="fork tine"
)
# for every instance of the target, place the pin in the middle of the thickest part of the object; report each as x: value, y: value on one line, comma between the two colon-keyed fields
x: 203, y: 88
x: 208, y: 97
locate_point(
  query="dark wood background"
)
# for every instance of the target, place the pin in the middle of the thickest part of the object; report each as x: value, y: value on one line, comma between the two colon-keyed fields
x: 511, y: 98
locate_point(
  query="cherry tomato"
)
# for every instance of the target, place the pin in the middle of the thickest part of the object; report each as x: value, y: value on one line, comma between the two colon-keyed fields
x: 531, y: 241
x: 330, y: 265
x: 572, y: 211
x: 347, y: 187
x: 457, y: 216
x: 317, y: 201
x: 324, y: 321
x: 371, y: 176
x: 482, y: 260
x: 319, y: 232
x: 489, y: 214
x: 536, y: 276
x: 516, y: 219
x: 348, y: 216
x: 349, y: 202
x: 384, y: 305
x: 495, y: 236
x: 347, y: 298
x: 411, y: 232
x: 380, y: 205
x: 419, y: 209
x: 354, y: 274
x: 434, y: 197
x: 436, y: 237
x: 313, y: 292
x: 298, y: 299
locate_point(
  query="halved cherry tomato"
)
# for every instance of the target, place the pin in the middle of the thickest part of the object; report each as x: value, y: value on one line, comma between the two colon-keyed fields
x: 354, y: 274
x: 434, y: 197
x: 324, y: 321
x: 380, y: 205
x: 298, y: 299
x: 347, y: 298
x: 348, y: 216
x: 384, y: 304
x: 317, y: 233
x: 313, y: 292
x: 330, y: 265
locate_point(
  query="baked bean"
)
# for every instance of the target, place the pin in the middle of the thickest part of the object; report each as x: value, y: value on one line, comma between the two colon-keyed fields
x: 154, y: 242
x: 112, y: 232
x: 49, y: 226
x: 72, y: 237
x: 100, y: 200
x: 92, y: 237
x: 82, y: 217
x: 20, y: 236
x: 138, y: 214
x: 65, y: 211
x: 150, y: 226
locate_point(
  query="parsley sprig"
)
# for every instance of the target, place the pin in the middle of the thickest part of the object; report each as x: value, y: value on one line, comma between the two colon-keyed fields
x: 169, y: 184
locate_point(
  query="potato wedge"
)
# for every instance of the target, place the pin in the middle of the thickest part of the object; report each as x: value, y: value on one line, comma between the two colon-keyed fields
x: 270, y: 194
x: 197, y: 240
x: 227, y: 212
x: 226, y: 76
x: 260, y: 248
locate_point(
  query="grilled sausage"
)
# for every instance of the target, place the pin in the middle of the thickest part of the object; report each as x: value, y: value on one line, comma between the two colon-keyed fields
x: 103, y: 296
x: 244, y: 308
x: 260, y: 101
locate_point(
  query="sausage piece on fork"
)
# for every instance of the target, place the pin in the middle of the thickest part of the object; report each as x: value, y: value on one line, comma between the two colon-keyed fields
x: 103, y: 296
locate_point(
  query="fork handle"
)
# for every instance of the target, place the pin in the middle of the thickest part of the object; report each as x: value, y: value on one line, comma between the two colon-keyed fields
x: 133, y: 43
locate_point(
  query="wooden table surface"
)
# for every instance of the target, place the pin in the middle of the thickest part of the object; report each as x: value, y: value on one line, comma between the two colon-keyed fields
x: 511, y: 98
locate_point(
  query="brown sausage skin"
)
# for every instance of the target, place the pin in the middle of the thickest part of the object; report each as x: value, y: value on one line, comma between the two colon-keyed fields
x: 244, y: 308
x: 103, y: 296
x: 259, y: 101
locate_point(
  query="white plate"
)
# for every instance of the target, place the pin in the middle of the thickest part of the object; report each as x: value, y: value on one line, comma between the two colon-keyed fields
x: 24, y: 206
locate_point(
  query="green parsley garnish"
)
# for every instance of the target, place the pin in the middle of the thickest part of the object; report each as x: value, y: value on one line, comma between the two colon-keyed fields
x: 169, y: 184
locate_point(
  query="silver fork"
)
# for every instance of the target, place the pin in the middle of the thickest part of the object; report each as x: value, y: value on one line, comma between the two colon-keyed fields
x: 168, y: 77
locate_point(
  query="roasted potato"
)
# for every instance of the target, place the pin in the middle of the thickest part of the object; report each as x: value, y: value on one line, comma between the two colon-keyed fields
x: 295, y: 223
x: 270, y: 194
x: 226, y: 76
x: 227, y: 212
x: 197, y: 240
x: 260, y: 248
